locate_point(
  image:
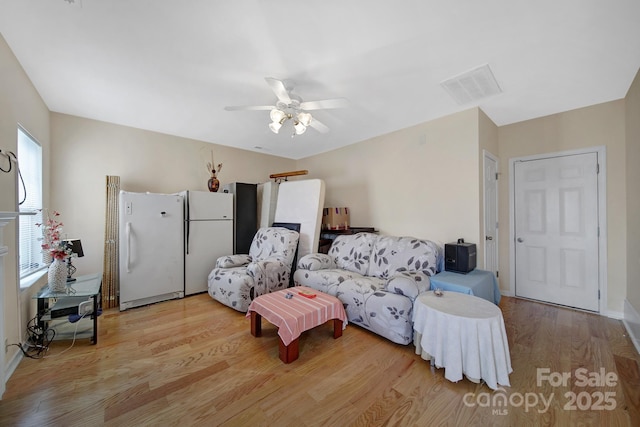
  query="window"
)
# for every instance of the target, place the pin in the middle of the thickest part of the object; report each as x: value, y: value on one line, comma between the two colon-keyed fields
x: 30, y: 201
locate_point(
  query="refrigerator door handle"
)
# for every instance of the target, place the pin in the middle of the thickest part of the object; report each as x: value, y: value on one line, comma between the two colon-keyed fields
x: 128, y: 246
x: 186, y: 204
x: 187, y: 225
x: 187, y: 218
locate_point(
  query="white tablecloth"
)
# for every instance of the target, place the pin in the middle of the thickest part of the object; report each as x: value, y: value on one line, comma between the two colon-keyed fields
x: 465, y: 335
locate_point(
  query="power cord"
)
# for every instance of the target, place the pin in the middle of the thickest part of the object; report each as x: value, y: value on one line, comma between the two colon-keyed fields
x: 75, y: 332
x: 8, y: 155
x: 38, y: 340
x: 11, y: 157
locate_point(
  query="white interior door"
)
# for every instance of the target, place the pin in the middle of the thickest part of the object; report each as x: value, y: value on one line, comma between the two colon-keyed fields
x: 490, y: 194
x: 556, y: 230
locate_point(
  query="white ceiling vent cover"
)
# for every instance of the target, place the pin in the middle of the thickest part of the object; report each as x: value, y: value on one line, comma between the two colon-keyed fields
x: 472, y: 85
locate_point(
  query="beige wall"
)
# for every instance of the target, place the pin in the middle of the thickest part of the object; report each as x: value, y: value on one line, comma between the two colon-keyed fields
x: 421, y: 181
x: 86, y: 151
x: 597, y: 125
x: 19, y: 104
x: 633, y: 192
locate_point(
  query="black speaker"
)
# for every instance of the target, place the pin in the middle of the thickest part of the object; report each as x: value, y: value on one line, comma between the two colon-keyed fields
x: 460, y: 257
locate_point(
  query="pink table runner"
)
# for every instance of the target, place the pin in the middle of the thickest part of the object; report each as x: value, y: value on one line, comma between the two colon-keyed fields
x: 298, y: 314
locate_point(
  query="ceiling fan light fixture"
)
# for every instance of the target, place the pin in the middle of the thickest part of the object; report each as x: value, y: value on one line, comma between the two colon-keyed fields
x: 304, y: 118
x: 299, y: 128
x: 290, y: 107
x: 275, y: 126
x: 277, y: 116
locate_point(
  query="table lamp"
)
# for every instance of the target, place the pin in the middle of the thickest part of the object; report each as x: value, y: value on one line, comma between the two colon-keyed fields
x: 76, y: 250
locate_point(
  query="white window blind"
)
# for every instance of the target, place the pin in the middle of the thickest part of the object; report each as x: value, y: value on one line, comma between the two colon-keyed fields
x: 30, y: 200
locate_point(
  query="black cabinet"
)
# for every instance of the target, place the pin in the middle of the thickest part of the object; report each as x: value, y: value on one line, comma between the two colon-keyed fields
x: 245, y: 215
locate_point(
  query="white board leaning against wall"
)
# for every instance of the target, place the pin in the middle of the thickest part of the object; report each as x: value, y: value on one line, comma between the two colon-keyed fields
x: 302, y: 202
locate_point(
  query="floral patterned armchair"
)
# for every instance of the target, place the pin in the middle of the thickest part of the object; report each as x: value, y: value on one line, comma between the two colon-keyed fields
x: 238, y: 279
x: 377, y: 278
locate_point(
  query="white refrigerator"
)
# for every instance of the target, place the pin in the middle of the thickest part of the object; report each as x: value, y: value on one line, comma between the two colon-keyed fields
x: 150, y: 248
x: 208, y: 234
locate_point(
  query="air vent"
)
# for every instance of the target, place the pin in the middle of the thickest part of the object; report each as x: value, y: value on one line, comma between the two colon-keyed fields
x: 472, y: 85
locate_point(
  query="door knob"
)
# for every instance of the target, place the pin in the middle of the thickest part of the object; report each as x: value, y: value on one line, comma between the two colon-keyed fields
x: 520, y: 240
x: 488, y: 237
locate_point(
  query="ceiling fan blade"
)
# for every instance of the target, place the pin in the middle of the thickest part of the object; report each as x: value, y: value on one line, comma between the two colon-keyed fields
x: 249, y: 107
x: 279, y: 89
x: 325, y: 104
x: 319, y: 126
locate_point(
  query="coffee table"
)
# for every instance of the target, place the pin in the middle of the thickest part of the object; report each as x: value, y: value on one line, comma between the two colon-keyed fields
x: 465, y: 335
x: 295, y: 315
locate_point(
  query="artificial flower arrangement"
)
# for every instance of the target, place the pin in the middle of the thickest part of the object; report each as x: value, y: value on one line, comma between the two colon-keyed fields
x: 213, y: 183
x: 52, y: 242
x: 211, y: 167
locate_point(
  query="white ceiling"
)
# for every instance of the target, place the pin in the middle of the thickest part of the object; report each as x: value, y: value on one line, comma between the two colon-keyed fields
x: 172, y: 66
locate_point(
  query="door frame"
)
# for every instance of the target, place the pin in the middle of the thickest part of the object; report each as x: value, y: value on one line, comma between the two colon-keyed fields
x: 602, y: 216
x: 487, y: 154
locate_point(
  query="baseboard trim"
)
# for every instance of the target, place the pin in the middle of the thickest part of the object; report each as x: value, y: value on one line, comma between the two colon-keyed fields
x: 631, y: 322
x: 618, y: 315
x: 12, y: 366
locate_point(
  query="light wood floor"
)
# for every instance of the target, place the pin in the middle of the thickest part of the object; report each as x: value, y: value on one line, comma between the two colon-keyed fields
x: 193, y: 362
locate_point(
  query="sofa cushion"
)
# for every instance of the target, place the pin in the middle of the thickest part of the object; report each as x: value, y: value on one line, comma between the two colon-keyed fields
x: 231, y: 286
x: 352, y: 252
x: 327, y: 280
x: 269, y: 276
x: 409, y: 284
x: 274, y: 243
x: 314, y: 262
x: 393, y: 255
x: 230, y: 261
x: 368, y: 305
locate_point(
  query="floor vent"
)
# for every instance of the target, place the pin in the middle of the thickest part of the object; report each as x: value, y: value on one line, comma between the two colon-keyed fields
x: 472, y: 85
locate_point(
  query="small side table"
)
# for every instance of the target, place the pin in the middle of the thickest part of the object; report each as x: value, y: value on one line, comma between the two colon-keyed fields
x: 81, y: 289
x: 480, y: 283
x: 463, y: 334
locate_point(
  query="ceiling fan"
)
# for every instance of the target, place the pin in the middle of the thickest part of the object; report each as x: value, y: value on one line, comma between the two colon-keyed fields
x: 291, y: 107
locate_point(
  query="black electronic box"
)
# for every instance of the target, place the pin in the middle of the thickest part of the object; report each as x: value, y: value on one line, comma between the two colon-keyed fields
x: 460, y: 257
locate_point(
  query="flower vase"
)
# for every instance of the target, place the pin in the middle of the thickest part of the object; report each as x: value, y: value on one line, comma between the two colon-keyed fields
x: 57, y: 276
x: 213, y: 184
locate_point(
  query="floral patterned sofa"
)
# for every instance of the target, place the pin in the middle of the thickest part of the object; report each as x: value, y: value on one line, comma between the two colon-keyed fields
x: 238, y: 279
x: 377, y: 278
